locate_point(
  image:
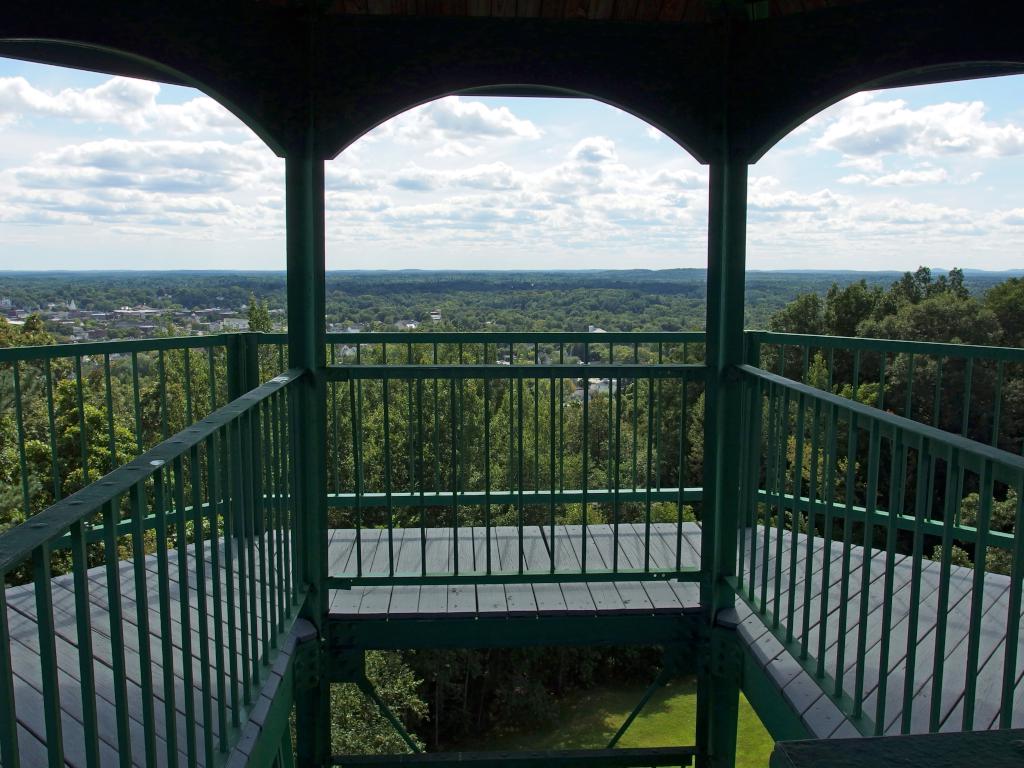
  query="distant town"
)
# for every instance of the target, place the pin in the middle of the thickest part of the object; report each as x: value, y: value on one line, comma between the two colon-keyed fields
x: 71, y: 323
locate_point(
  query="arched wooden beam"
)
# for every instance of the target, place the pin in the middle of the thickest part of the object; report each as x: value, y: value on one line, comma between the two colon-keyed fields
x: 373, y: 68
x: 784, y: 71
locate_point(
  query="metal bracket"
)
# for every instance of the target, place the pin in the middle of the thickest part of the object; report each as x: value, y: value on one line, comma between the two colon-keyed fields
x: 721, y: 657
x: 308, y: 665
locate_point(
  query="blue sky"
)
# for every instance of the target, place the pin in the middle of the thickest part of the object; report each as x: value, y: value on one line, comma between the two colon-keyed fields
x: 99, y: 172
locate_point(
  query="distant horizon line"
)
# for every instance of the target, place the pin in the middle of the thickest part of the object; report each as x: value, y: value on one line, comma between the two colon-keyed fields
x: 225, y: 271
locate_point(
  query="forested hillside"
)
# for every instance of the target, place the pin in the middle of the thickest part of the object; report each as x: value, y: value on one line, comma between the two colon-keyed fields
x: 623, y: 300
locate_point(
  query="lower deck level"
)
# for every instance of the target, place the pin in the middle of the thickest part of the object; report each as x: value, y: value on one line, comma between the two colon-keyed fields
x: 406, y: 610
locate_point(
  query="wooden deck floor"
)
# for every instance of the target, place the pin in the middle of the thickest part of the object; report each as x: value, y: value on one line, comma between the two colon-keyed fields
x: 543, y: 599
x: 364, y: 603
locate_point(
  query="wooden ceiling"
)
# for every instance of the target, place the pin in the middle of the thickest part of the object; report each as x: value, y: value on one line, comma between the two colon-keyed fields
x: 694, y: 11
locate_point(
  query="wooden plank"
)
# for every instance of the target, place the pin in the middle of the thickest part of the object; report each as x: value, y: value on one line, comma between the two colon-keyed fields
x: 989, y: 679
x: 434, y: 599
x: 27, y: 660
x: 490, y: 598
x: 617, y: 597
x: 377, y: 599
x: 102, y: 652
x: 346, y: 602
x: 405, y: 599
x: 461, y: 596
x: 548, y: 596
x: 659, y: 593
x: 577, y: 596
x: 663, y: 555
x: 519, y: 598
x: 955, y: 665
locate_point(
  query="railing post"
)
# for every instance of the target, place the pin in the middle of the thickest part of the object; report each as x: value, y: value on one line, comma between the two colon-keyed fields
x: 236, y: 365
x: 253, y: 375
x: 718, y: 688
x: 304, y: 185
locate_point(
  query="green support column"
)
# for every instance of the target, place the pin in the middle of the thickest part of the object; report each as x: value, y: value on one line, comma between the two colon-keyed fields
x: 304, y: 185
x: 718, y: 681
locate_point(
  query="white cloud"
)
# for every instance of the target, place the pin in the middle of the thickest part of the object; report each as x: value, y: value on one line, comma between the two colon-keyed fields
x: 872, y: 127
x: 902, y: 178
x: 131, y: 104
x: 456, y: 127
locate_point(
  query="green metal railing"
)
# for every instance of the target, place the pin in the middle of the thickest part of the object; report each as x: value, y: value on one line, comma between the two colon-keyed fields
x: 515, y: 431
x: 71, y: 413
x: 170, y: 619
x: 872, y: 510
x: 969, y: 390
x: 899, y: 460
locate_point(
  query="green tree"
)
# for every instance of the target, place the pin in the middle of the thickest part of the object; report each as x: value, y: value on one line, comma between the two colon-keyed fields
x: 259, y: 315
x: 1006, y: 302
x: 358, y: 727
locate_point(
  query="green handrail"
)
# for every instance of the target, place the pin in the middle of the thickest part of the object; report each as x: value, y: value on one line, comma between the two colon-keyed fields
x: 227, y: 562
x: 823, y: 472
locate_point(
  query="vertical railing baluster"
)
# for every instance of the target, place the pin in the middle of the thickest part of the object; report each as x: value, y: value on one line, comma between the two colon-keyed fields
x: 167, y: 653
x: 137, y: 403
x: 997, y: 404
x: 649, y: 479
x: 46, y: 634
x: 937, y: 398
x: 870, y: 507
x: 136, y: 499
x: 794, y: 525
x: 184, y: 603
x: 551, y: 470
x: 897, y: 489
x: 112, y: 561
x: 388, y: 500
x: 19, y: 422
x: 812, y: 529
x: 9, y: 751
x: 217, y: 502
x: 681, y: 471
x: 909, y: 401
x: 1013, y: 614
x: 924, y: 471
x: 519, y: 470
x: 422, y: 480
x: 455, y: 416
x: 199, y: 544
x: 487, y: 472
x: 52, y: 424
x: 755, y: 405
x: 585, y: 448
x: 113, y: 462
x: 83, y: 630
x: 951, y: 506
x: 616, y: 478
x: 832, y: 454
x: 162, y: 384
x: 636, y: 409
x: 780, y: 509
x: 769, y: 484
x: 229, y: 513
x: 974, y: 629
x: 83, y: 434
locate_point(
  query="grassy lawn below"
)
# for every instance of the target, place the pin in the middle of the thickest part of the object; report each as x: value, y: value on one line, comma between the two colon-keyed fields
x: 588, y: 719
